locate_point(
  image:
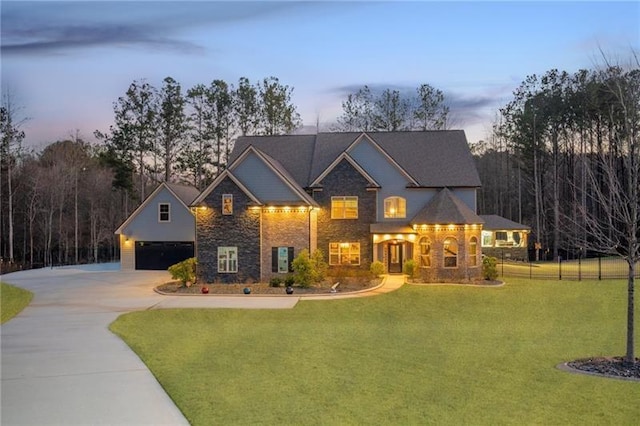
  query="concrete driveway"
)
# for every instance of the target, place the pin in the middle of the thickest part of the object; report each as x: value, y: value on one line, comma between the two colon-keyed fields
x: 62, y: 366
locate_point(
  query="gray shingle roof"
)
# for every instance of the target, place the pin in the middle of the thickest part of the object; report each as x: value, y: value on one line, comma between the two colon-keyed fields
x: 432, y: 158
x: 445, y: 208
x: 186, y: 193
x: 497, y: 223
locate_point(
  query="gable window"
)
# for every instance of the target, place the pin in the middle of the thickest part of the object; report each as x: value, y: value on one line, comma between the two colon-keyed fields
x: 450, y: 253
x: 164, y: 212
x: 228, y: 259
x: 344, y: 207
x: 473, y: 251
x: 425, y: 252
x: 395, y: 207
x: 227, y: 204
x: 281, y: 259
x: 344, y: 253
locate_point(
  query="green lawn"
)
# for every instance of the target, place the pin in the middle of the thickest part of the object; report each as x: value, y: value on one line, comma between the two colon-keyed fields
x: 420, y: 355
x: 12, y: 301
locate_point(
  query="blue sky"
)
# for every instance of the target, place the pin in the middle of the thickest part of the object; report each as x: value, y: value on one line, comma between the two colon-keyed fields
x: 66, y: 63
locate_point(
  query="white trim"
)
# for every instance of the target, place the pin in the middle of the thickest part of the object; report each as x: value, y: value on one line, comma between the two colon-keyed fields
x: 217, y: 182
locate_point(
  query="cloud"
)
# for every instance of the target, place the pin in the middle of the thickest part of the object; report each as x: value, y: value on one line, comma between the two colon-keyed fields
x: 37, y: 28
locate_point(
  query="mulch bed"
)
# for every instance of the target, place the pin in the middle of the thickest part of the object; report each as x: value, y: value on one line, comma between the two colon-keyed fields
x: 259, y: 288
x: 608, y: 366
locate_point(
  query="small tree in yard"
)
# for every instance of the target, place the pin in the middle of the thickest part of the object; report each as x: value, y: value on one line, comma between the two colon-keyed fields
x: 489, y: 268
x: 309, y: 269
x: 184, y: 271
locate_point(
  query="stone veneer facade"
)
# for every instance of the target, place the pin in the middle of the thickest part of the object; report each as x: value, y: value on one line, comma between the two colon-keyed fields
x: 345, y: 180
x: 241, y: 230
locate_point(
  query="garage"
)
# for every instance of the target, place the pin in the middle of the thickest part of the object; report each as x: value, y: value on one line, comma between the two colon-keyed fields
x: 159, y: 255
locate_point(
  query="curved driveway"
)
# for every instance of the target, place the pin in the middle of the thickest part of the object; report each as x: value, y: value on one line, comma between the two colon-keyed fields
x: 62, y: 366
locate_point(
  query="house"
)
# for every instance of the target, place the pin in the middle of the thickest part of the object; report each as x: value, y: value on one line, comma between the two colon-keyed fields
x: 161, y: 231
x: 358, y: 197
x: 504, y: 238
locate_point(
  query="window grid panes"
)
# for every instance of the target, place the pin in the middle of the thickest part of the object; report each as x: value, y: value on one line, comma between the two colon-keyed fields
x: 228, y: 259
x: 450, y: 253
x: 395, y: 207
x: 344, y: 254
x: 473, y: 251
x: 425, y: 252
x: 344, y: 207
x: 164, y: 212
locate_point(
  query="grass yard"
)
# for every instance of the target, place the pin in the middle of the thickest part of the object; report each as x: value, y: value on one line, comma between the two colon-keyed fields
x: 12, y: 301
x: 420, y: 355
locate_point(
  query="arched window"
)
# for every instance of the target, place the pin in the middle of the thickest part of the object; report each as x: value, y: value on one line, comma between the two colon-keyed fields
x: 473, y: 251
x: 395, y: 207
x: 450, y: 253
x: 425, y: 252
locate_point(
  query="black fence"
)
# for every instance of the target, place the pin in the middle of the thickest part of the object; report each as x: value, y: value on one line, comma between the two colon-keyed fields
x: 599, y: 268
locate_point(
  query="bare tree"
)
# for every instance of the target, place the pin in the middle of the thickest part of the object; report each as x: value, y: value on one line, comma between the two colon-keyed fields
x: 612, y: 224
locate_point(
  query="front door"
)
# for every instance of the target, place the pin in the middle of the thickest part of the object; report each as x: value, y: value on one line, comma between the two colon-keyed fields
x: 394, y: 256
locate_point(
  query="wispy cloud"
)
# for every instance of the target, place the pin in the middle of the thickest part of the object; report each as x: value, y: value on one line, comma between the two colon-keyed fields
x: 37, y: 28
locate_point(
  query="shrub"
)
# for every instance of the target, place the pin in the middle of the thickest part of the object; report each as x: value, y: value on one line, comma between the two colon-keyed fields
x: 489, y: 268
x: 377, y: 268
x: 303, y: 269
x: 289, y: 281
x: 320, y: 267
x: 184, y: 271
x: 409, y: 268
x: 275, y: 282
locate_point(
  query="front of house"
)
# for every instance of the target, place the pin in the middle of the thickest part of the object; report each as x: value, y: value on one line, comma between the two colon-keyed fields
x: 358, y: 197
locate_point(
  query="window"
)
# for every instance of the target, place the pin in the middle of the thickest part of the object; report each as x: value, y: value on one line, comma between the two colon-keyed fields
x: 487, y: 239
x: 395, y: 207
x: 281, y: 259
x: 164, y: 212
x: 228, y: 259
x: 450, y: 253
x: 425, y: 252
x: 473, y: 251
x: 344, y: 207
x: 344, y: 253
x: 227, y: 204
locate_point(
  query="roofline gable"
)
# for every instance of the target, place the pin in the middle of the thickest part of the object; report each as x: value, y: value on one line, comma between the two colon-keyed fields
x: 226, y: 173
x: 345, y: 156
x: 146, y: 202
x: 269, y: 161
x: 389, y: 158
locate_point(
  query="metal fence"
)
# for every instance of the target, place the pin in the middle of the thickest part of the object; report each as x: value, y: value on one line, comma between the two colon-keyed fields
x: 600, y: 268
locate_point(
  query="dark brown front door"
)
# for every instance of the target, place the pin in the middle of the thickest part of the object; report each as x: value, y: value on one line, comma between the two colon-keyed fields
x: 394, y: 256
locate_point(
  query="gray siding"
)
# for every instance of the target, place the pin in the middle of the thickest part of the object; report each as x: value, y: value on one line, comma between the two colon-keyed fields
x: 146, y: 227
x: 263, y: 182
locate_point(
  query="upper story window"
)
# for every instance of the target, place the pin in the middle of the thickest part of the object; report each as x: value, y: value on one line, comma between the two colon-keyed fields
x: 395, y: 207
x: 344, y: 207
x: 164, y: 212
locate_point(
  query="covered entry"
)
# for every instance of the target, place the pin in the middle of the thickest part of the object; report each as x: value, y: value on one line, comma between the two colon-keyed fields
x: 159, y: 255
x: 392, y: 245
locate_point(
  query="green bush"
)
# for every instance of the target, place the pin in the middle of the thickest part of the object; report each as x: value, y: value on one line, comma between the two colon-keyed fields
x: 275, y: 282
x: 377, y: 268
x: 320, y: 267
x: 409, y: 268
x: 489, y: 268
x: 303, y: 269
x: 289, y: 281
x: 184, y: 271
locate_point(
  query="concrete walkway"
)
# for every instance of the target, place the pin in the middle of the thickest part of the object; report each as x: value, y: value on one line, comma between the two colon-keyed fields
x: 62, y: 366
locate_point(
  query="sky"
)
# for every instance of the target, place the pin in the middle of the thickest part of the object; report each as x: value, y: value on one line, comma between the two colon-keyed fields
x: 64, y: 64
